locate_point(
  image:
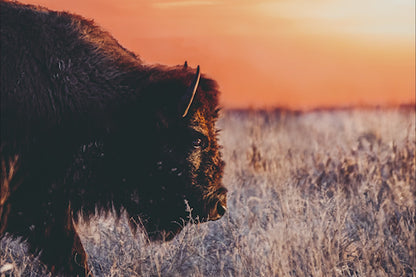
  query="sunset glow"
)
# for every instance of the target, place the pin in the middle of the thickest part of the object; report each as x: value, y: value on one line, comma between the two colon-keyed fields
x: 298, y: 54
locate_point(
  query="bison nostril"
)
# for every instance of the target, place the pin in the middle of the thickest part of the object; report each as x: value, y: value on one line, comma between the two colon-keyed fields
x: 221, y: 209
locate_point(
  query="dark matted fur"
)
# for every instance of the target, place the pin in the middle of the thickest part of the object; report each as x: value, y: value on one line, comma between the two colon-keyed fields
x: 86, y: 125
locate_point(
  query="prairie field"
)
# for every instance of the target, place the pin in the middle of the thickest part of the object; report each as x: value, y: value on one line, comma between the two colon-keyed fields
x: 320, y: 193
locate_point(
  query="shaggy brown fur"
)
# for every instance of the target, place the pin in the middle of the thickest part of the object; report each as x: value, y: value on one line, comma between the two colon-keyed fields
x: 89, y: 127
x: 9, y: 182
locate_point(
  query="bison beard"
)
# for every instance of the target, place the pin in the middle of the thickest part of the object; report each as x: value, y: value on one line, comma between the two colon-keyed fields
x: 86, y: 126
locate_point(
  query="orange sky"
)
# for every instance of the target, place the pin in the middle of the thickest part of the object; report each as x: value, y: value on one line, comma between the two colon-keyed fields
x: 293, y: 53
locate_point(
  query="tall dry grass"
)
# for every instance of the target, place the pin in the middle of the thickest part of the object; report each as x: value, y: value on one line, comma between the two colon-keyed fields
x: 314, y: 194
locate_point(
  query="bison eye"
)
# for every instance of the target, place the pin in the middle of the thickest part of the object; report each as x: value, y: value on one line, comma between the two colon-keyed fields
x: 199, y: 141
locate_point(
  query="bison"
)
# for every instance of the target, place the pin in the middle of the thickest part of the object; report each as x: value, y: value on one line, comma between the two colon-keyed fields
x: 87, y: 126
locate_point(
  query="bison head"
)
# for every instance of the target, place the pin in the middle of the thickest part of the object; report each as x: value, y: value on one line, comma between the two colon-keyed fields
x: 175, y: 169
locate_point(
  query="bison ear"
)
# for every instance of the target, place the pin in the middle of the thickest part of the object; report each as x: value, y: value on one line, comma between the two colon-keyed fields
x: 186, y: 100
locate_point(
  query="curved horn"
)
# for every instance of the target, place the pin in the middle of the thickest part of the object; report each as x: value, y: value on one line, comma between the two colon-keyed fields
x: 187, y: 99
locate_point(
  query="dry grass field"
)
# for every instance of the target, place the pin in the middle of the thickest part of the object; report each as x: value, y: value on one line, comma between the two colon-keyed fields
x: 324, y: 193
